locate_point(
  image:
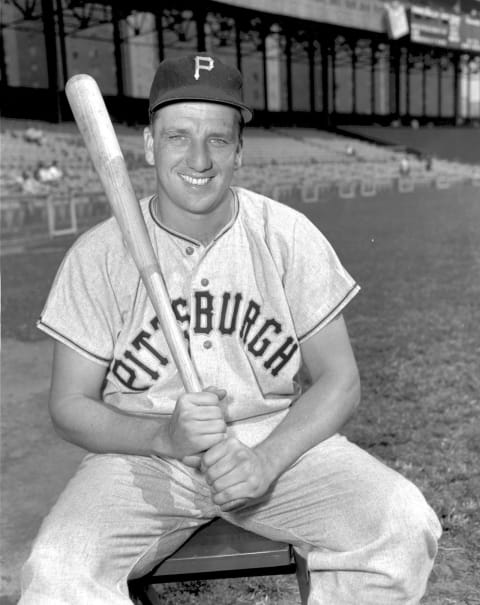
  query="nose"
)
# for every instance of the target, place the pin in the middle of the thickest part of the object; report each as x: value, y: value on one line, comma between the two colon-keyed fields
x: 198, y: 156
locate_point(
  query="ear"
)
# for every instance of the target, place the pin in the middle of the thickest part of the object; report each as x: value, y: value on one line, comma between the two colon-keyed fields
x: 238, y: 156
x: 148, y: 145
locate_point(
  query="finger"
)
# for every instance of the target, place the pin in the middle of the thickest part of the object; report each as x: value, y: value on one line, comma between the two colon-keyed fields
x: 228, y: 479
x: 214, y: 454
x: 229, y: 446
x: 207, y: 426
x: 227, y: 465
x: 193, y: 461
x: 234, y: 493
x: 205, y: 442
x: 234, y: 505
x: 202, y: 398
x: 220, y: 393
x: 207, y: 412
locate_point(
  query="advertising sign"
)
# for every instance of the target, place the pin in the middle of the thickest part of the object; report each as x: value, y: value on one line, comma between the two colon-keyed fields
x: 397, y: 20
x: 367, y: 15
x: 432, y: 27
x: 470, y: 33
x: 440, y: 28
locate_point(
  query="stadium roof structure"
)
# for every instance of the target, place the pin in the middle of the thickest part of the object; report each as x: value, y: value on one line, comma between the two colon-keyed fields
x: 303, y: 59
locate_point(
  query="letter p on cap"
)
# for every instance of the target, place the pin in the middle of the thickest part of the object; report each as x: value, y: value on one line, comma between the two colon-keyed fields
x: 206, y: 63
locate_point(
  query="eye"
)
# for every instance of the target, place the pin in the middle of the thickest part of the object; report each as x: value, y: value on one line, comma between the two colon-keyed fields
x: 219, y: 142
x: 176, y: 137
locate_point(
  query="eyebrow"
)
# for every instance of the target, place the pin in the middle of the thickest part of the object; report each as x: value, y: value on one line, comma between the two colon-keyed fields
x: 227, y: 133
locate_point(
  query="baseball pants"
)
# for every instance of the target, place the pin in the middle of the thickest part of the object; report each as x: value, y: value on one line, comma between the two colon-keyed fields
x: 367, y: 533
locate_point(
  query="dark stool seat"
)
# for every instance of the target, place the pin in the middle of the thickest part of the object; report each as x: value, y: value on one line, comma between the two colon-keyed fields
x: 222, y: 550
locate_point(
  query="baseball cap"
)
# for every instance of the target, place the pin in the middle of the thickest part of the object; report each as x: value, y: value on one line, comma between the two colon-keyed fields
x: 197, y: 77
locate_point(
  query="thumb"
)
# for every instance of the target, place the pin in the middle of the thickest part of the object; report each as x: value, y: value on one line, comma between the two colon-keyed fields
x: 220, y: 393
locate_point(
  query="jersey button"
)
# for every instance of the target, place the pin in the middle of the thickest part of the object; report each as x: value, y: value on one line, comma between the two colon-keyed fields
x: 189, y: 250
x: 207, y: 344
x: 204, y: 282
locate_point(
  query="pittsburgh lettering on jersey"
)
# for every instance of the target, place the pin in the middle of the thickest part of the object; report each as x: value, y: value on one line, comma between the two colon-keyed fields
x: 262, y: 337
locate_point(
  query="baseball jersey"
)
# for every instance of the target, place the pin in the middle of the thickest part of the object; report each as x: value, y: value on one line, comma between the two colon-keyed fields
x: 245, y: 302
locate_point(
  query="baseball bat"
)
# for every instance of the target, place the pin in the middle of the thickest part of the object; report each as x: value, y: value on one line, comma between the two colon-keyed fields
x: 96, y: 128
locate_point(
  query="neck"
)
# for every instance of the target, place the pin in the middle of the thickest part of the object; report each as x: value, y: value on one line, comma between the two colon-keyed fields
x: 200, y: 227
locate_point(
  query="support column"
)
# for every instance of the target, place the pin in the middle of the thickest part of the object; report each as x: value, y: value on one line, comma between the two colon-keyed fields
x: 117, y: 43
x: 440, y: 91
x: 238, y: 44
x: 63, y: 49
x: 424, y: 87
x: 333, y: 54
x: 159, y: 28
x: 395, y: 79
x: 456, y: 100
x: 407, y: 83
x: 325, y: 50
x: 3, y: 65
x: 353, y: 56
x: 468, y: 112
x: 373, y: 88
x: 311, y: 71
x: 288, y: 53
x: 264, y: 68
x: 200, y: 21
x: 51, y: 53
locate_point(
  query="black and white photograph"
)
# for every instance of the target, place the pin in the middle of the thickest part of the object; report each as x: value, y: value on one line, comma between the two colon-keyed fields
x: 240, y: 302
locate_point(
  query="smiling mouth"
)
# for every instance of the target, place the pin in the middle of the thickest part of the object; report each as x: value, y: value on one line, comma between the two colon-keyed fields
x: 196, y: 180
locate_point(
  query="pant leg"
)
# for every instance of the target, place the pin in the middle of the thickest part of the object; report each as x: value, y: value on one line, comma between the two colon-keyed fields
x: 368, y: 534
x: 117, y: 517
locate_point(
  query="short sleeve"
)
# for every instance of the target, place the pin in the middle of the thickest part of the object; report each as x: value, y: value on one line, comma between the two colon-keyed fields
x: 317, y: 285
x: 81, y: 310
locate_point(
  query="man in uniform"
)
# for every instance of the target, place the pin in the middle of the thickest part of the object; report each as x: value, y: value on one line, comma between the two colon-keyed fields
x: 258, y: 293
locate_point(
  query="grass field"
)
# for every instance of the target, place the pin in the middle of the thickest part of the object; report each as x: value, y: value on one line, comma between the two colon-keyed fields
x: 416, y: 333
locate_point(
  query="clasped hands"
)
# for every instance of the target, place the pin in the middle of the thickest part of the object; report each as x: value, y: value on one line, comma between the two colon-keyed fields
x: 235, y: 472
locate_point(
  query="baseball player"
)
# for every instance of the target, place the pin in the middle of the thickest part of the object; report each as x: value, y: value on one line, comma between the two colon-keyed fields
x: 258, y: 293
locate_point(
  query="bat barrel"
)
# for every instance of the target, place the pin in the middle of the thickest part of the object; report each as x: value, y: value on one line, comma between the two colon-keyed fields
x: 96, y: 128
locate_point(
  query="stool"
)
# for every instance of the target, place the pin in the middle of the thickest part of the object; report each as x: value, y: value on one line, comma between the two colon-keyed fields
x: 222, y: 550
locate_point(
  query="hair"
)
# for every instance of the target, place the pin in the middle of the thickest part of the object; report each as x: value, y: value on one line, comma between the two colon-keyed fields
x: 241, y: 127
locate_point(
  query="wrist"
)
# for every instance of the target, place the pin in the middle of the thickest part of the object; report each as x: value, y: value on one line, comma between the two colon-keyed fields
x: 272, y: 470
x: 161, y: 443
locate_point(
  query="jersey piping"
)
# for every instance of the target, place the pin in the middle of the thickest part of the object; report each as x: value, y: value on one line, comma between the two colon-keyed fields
x: 185, y: 238
x: 59, y: 336
x: 341, y: 305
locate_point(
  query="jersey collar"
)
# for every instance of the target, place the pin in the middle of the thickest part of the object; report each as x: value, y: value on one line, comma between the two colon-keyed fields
x: 177, y: 234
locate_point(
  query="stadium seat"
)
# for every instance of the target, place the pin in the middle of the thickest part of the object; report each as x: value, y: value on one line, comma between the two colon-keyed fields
x: 368, y: 187
x: 406, y: 185
x: 62, y: 216
x: 288, y: 164
x: 222, y: 550
x: 347, y: 189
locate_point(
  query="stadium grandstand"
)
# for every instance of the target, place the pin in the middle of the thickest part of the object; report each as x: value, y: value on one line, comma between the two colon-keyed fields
x: 350, y: 96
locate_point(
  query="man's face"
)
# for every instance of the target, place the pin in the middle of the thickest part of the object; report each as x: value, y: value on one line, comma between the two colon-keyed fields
x: 195, y: 148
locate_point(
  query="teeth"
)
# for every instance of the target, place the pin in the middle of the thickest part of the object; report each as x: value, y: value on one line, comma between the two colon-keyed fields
x: 194, y: 181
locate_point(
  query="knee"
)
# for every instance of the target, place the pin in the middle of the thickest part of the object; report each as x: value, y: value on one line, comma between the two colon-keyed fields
x: 49, y: 563
x: 413, y: 531
x: 58, y: 558
x: 416, y: 524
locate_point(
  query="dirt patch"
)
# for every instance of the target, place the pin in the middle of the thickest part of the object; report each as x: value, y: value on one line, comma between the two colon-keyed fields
x: 36, y: 463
